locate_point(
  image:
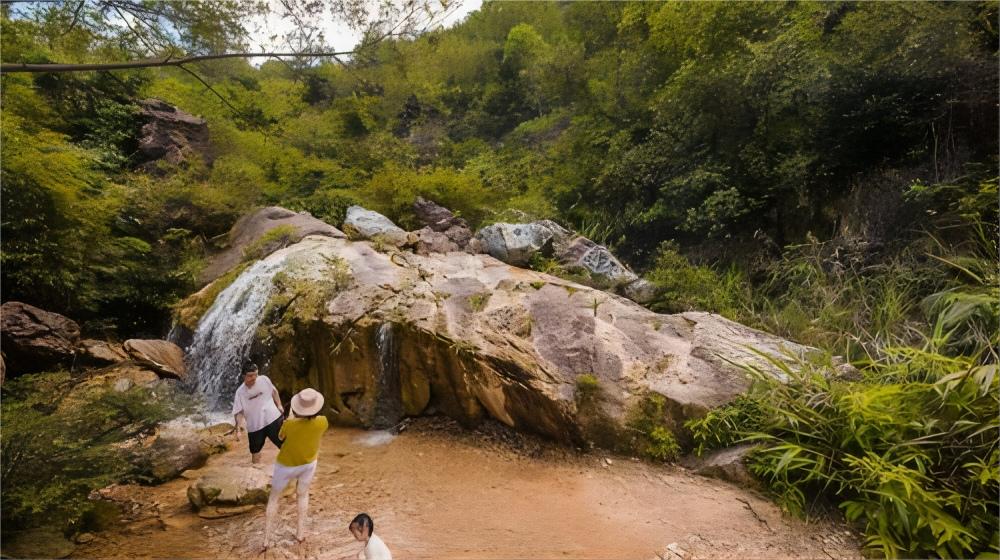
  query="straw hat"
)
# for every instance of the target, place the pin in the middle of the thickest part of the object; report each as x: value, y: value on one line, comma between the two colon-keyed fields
x: 307, y: 402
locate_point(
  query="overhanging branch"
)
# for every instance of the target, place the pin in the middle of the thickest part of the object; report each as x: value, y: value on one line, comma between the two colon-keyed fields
x: 7, y: 67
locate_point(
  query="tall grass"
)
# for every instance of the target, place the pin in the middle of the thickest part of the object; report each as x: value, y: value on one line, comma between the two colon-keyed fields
x: 908, y: 452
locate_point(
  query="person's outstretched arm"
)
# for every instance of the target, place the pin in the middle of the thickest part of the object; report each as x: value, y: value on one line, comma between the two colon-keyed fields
x: 276, y: 397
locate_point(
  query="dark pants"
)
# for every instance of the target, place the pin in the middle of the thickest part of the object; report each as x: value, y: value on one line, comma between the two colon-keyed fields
x: 267, y: 432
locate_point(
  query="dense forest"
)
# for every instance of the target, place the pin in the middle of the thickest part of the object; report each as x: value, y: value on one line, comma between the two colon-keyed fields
x: 826, y: 171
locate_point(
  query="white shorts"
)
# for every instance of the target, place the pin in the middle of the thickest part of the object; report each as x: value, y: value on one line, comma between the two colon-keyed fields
x: 283, y: 475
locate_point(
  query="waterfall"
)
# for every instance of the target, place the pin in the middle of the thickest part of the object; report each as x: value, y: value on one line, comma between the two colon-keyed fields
x: 388, y: 403
x: 224, y: 335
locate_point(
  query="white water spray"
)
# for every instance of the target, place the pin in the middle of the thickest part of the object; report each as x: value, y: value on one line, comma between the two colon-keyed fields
x: 224, y: 335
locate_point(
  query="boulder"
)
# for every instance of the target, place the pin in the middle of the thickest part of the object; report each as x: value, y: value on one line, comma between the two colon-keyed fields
x: 727, y: 464
x: 473, y: 337
x: 171, y: 135
x: 251, y: 232
x: 163, y: 357
x: 177, y: 447
x: 439, y: 219
x: 230, y: 486
x: 426, y: 241
x: 361, y: 223
x: 597, y: 260
x: 515, y: 244
x: 36, y: 340
x: 44, y: 542
x: 640, y: 290
x: 100, y: 353
x: 435, y: 216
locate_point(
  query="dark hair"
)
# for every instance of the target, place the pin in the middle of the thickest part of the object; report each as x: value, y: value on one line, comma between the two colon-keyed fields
x: 249, y: 368
x: 363, y: 521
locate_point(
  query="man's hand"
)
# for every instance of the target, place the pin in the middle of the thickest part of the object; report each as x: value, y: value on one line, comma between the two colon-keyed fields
x: 239, y: 430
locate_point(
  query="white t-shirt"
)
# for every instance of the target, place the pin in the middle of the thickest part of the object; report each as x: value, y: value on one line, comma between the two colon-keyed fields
x: 256, y: 404
x: 376, y: 550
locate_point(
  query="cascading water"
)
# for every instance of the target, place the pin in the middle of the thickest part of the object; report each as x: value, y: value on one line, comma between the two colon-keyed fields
x: 224, y: 335
x: 388, y: 404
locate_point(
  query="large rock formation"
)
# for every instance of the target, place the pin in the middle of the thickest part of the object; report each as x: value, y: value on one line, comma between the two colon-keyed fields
x: 171, y: 135
x: 36, y: 340
x: 260, y: 233
x: 386, y: 335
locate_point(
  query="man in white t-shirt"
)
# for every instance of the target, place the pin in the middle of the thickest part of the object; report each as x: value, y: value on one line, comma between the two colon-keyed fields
x: 258, y: 411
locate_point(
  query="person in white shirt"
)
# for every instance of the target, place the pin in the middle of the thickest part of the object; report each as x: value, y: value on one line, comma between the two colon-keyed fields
x: 363, y: 529
x: 257, y: 410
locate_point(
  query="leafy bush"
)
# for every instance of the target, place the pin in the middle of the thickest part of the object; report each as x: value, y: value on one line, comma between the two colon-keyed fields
x: 60, y: 443
x: 274, y: 239
x: 727, y: 425
x: 652, y: 435
x: 914, y: 463
x: 687, y: 287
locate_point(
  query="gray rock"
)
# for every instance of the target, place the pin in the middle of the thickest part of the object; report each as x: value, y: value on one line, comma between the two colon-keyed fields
x: 229, y: 486
x: 641, y: 291
x: 250, y: 229
x: 361, y: 223
x: 515, y: 244
x: 727, y: 464
x: 36, y: 340
x: 171, y: 134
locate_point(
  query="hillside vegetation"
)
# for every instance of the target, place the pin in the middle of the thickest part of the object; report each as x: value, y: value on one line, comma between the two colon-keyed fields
x: 826, y: 171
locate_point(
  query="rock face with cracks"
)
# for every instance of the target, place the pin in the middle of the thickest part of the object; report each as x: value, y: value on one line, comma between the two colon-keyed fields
x: 389, y: 335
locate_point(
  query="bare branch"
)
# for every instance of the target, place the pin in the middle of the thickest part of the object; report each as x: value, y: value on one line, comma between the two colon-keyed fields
x: 211, y: 89
x: 152, y: 63
x: 76, y: 17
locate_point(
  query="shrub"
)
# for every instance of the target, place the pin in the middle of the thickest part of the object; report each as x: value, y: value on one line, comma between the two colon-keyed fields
x: 57, y: 448
x: 913, y: 462
x: 650, y: 425
x: 274, y: 239
x: 727, y: 425
x: 683, y: 286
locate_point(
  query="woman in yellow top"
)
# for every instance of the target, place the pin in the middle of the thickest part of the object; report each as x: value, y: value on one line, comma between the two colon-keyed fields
x: 297, y: 458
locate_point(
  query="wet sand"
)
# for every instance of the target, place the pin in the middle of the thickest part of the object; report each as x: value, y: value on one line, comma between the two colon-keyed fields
x: 435, y: 493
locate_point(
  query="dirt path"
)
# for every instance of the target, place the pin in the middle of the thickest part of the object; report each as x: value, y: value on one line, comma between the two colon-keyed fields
x: 437, y: 494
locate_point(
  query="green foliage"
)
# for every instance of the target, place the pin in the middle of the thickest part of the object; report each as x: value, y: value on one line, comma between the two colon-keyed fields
x: 60, y: 442
x: 663, y: 445
x: 727, y: 425
x: 393, y: 190
x: 274, y: 239
x: 588, y: 389
x: 477, y: 302
x: 686, y: 287
x: 908, y: 460
x: 652, y: 434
